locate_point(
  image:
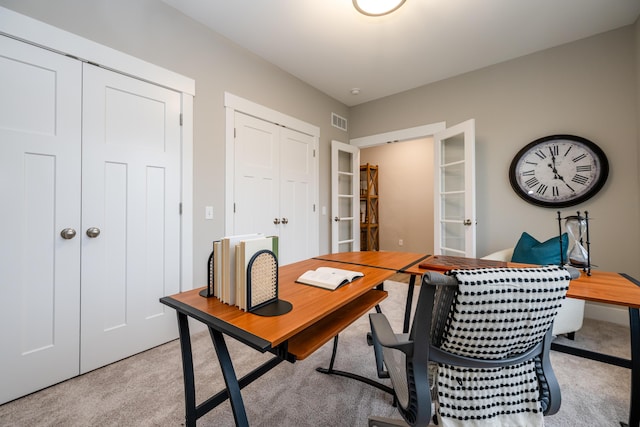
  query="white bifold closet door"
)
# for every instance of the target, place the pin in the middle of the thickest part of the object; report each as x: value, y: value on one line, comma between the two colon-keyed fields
x: 74, y: 303
x: 40, y: 169
x: 131, y: 193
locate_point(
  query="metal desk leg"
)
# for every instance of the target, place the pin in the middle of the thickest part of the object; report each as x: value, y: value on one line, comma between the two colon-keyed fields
x: 230, y: 379
x: 407, y: 309
x: 187, y: 371
x: 634, y: 408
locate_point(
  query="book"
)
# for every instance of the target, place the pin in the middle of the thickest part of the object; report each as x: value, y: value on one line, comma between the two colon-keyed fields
x: 217, y: 269
x: 244, y: 252
x: 328, y: 277
x: 228, y: 252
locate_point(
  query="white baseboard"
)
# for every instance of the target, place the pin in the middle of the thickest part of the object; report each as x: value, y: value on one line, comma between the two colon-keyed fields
x: 606, y: 313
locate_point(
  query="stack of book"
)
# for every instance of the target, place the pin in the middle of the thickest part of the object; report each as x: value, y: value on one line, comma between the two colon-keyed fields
x: 231, y: 256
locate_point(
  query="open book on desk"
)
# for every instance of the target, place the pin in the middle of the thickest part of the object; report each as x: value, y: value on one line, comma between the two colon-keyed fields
x: 328, y: 277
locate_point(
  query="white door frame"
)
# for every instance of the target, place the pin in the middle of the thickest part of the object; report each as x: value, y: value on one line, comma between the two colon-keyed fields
x: 233, y: 103
x: 424, y: 131
x: 29, y: 30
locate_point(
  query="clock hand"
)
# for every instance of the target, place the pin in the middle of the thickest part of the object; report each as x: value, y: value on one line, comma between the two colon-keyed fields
x: 565, y: 183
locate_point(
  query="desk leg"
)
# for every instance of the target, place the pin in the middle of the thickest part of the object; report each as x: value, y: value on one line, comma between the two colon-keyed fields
x: 407, y: 309
x: 634, y: 409
x: 230, y: 379
x: 187, y: 371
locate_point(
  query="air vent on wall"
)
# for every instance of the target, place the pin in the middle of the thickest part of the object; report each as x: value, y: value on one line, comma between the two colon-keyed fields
x: 338, y: 122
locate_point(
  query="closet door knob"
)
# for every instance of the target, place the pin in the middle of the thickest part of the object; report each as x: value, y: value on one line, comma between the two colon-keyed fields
x: 336, y: 219
x: 68, y: 233
x: 276, y: 221
x: 93, y: 232
x: 285, y: 221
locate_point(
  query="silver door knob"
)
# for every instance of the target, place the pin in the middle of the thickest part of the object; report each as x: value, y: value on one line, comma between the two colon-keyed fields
x: 467, y: 222
x: 93, y: 232
x: 285, y: 221
x: 276, y: 221
x: 336, y: 219
x: 68, y: 233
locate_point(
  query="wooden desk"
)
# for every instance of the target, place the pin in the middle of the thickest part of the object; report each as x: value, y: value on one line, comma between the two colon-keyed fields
x: 392, y: 260
x: 317, y: 316
x: 608, y: 288
x: 401, y: 262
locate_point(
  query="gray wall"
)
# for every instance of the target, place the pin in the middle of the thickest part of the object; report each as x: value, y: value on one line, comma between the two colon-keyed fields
x: 157, y: 33
x: 587, y: 88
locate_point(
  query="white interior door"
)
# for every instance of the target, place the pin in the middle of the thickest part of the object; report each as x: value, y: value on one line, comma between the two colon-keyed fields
x: 275, y: 185
x: 345, y: 197
x: 257, y: 175
x: 131, y: 194
x: 298, y: 222
x: 40, y: 113
x: 454, y: 181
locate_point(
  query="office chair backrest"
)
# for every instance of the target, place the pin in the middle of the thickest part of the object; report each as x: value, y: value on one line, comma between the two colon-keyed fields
x: 489, y: 331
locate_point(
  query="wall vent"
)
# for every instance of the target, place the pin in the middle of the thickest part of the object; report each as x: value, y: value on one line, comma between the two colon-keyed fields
x: 338, y: 122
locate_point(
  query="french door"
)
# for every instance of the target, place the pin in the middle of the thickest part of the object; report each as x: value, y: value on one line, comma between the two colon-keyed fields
x: 345, y: 197
x: 454, y: 181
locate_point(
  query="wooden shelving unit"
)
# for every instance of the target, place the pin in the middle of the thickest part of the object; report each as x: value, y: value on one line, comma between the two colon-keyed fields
x: 369, y: 214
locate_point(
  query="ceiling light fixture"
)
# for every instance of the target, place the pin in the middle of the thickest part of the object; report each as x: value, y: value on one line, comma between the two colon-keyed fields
x: 377, y: 7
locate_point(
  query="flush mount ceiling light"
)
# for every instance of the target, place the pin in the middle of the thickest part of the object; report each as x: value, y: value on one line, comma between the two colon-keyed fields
x: 377, y: 7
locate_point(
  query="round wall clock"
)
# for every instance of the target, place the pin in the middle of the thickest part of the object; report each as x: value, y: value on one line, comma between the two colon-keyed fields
x: 558, y: 171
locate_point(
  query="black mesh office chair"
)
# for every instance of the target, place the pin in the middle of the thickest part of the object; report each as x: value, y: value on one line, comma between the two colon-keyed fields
x: 478, y: 348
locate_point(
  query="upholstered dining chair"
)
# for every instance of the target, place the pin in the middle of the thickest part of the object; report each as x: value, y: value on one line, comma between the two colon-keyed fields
x: 478, y: 349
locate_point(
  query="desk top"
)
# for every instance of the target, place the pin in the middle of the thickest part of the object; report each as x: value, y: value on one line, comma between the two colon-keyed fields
x: 606, y: 287
x: 310, y: 305
x: 391, y: 260
x: 602, y: 286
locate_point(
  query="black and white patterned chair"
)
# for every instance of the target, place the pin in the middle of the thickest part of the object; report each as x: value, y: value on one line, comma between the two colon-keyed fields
x: 478, y: 349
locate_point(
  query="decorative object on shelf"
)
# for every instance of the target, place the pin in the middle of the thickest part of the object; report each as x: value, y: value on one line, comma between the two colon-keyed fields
x: 369, y: 216
x: 578, y: 253
x: 558, y: 171
x: 262, y: 285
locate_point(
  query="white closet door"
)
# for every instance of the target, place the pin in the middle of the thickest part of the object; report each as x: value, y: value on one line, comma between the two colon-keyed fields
x: 40, y: 113
x: 298, y: 233
x: 131, y: 194
x: 257, y: 174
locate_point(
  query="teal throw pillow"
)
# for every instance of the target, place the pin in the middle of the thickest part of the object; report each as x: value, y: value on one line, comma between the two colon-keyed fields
x: 530, y: 251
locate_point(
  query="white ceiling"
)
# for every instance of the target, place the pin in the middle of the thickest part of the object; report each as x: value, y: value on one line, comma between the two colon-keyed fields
x: 332, y: 47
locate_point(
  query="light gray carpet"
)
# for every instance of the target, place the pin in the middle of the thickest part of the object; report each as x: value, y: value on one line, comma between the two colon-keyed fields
x: 147, y: 390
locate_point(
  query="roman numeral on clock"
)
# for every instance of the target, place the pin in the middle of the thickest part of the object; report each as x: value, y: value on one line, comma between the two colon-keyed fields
x: 578, y: 158
x: 580, y: 179
x: 532, y: 182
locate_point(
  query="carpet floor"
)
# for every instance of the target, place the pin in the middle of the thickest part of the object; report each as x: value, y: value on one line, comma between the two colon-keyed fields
x: 147, y: 390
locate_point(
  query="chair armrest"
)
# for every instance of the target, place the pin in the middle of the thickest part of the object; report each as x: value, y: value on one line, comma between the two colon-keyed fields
x: 381, y: 329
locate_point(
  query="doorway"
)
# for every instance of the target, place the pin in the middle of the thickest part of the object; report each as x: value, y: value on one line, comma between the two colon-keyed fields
x: 405, y: 180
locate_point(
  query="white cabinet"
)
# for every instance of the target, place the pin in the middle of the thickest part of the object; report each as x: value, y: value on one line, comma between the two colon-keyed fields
x: 90, y: 178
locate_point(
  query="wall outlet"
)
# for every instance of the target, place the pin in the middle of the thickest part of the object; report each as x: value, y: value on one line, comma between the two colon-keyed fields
x: 400, y: 242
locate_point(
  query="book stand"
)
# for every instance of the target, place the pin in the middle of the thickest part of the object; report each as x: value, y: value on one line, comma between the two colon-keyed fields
x: 208, y: 292
x: 262, y: 286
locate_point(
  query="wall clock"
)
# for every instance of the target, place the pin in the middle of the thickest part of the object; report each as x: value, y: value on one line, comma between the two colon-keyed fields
x: 558, y: 171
